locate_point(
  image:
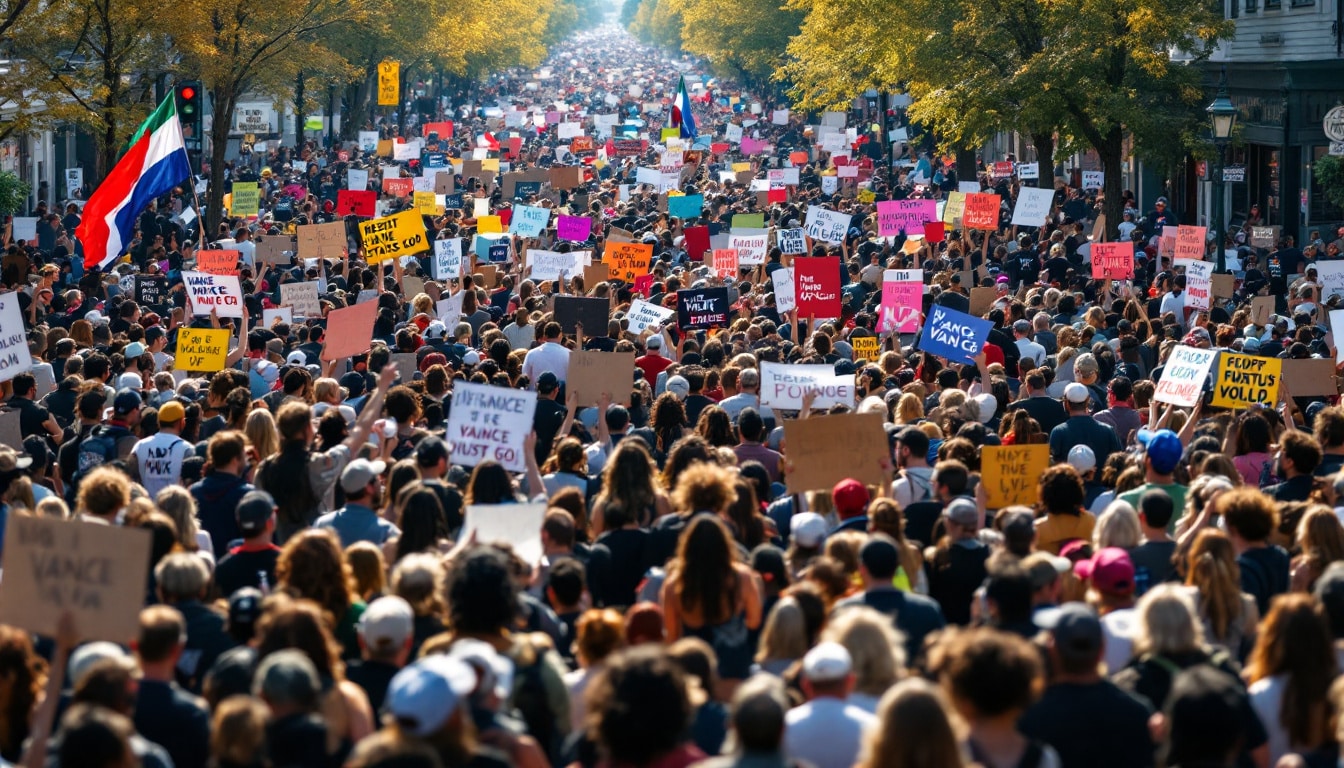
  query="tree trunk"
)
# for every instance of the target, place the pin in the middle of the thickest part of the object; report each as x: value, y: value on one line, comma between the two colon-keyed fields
x: 1045, y: 156
x: 298, y: 110
x: 1112, y: 207
x: 224, y: 99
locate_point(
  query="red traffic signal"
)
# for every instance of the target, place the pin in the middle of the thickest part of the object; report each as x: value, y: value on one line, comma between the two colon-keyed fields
x: 187, y: 92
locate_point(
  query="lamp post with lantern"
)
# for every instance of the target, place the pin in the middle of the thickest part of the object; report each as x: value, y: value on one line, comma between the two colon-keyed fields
x: 1223, y: 118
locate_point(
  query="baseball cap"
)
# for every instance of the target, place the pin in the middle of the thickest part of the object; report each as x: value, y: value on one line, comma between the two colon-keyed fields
x: 134, y: 349
x: 127, y: 400
x: 1075, y: 392
x: 85, y: 656
x: 547, y: 382
x: 354, y: 383
x: 171, y: 411
x: 430, y: 451
x: 386, y: 624
x: 1044, y: 568
x: 1082, y: 459
x: 807, y: 529
x: 296, y: 357
x: 1163, y: 447
x: 1075, y: 630
x: 436, y: 331
x: 653, y: 342
x: 245, y: 606
x: 254, y: 510
x: 424, y: 695
x: 360, y: 473
x: 850, y: 497
x: 914, y: 439
x: 986, y: 404
x: 130, y: 380
x: 679, y: 386
x: 827, y: 662
x: 472, y: 357
x: 1001, y: 279
x: 1110, y: 570
x: 963, y: 511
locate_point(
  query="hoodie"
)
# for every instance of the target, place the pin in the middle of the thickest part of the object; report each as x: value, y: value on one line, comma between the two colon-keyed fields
x: 217, y: 497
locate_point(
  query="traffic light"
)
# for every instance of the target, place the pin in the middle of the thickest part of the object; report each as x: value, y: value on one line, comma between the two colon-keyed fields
x: 190, y: 108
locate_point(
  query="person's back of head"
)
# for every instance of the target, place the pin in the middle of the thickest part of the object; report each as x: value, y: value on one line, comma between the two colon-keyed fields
x: 95, y: 737
x: 1203, y: 700
x: 1156, y: 508
x: 758, y: 711
x: 287, y: 681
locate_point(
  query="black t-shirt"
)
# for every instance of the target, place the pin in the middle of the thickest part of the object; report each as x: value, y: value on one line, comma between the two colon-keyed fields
x: 243, y: 568
x: 1092, y: 726
x: 175, y: 720
x: 31, y: 416
x: 1152, y: 564
x: 373, y: 677
x: 547, y: 420
x: 616, y: 565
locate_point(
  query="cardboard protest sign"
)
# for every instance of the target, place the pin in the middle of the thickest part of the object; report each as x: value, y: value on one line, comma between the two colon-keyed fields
x: 827, y: 449
x: 1033, y: 206
x: 574, y: 228
x: 791, y: 241
x: 816, y: 286
x: 1113, y: 261
x: 206, y: 292
x: 488, y: 422
x: 725, y: 263
x: 151, y: 290
x: 401, y: 234
x: 954, y: 335
x: 865, y: 347
x: 566, y: 176
x: 326, y: 241
x: 448, y: 258
x: 783, y: 386
x: 592, y: 373
x: 302, y: 298
x: 357, y: 203
x: 982, y: 211
x: 1241, y: 380
x: 594, y: 274
x: 685, y: 206
x: 1190, y: 242
x: 97, y: 572
x: 1224, y: 286
x: 14, y: 355
x: 518, y: 525
x: 702, y: 307
x: 350, y: 330
x: 1311, y: 377
x: 908, y: 216
x: 1183, y: 377
x: 11, y: 431
x: 628, y: 260
x: 643, y: 315
x: 782, y: 280
x: 902, y: 301
x: 1010, y: 472
x: 826, y: 225
x: 217, y: 262
x: 591, y: 313
x: 529, y: 220
x: 204, y: 350
x: 1199, y: 284
x: 489, y: 275
x: 982, y: 298
x: 271, y: 249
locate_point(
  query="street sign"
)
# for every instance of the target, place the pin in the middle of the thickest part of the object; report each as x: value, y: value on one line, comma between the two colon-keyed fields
x: 1234, y: 173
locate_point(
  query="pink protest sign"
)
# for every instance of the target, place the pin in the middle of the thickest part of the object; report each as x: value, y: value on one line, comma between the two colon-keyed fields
x: 1113, y: 261
x: 902, y: 297
x: 752, y: 146
x: 644, y: 284
x: 909, y: 216
x: 574, y: 228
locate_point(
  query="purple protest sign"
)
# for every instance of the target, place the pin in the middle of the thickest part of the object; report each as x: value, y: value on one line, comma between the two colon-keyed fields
x: 575, y: 228
x: 895, y: 216
x: 902, y: 298
x: 752, y: 146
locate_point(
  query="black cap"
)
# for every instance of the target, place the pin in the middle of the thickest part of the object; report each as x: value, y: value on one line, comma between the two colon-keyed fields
x: 431, y: 450
x: 245, y: 606
x: 547, y: 383
x: 254, y: 510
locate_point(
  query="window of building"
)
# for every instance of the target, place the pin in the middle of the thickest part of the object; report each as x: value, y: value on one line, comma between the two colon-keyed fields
x: 1250, y: 6
x: 1302, y: 3
x: 1273, y: 4
x: 1320, y: 209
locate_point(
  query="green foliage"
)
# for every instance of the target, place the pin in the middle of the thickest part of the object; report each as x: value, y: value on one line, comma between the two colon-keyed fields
x: 1329, y: 173
x: 745, y: 37
x: 13, y: 193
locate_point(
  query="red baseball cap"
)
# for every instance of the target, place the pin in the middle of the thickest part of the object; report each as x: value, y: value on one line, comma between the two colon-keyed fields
x: 1110, y: 571
x: 851, y: 498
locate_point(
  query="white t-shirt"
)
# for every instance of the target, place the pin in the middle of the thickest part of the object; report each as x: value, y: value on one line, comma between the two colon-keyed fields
x: 826, y: 732
x: 1118, y: 628
x: 1175, y: 303
x: 1267, y: 699
x: 548, y: 357
x: 159, y: 459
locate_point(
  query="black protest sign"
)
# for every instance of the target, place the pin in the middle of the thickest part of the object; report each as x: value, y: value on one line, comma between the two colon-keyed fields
x: 590, y: 312
x: 498, y: 253
x: 151, y: 290
x: 525, y: 189
x: 702, y: 307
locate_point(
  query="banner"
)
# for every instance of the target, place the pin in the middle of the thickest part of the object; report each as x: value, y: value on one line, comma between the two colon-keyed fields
x: 982, y: 211
x: 702, y: 307
x: 782, y: 279
x: 902, y: 301
x: 488, y: 423
x: 783, y: 386
x: 401, y: 234
x: 904, y: 216
x: 826, y: 225
x: 1113, y: 261
x: 643, y: 315
x: 302, y: 298
x: 1033, y: 206
x: 448, y: 259
x: 207, y: 292
x: 954, y: 335
x: 816, y: 286
x: 389, y: 84
x: 1245, y: 380
x: 954, y: 208
x: 204, y: 350
x: 628, y: 260
x: 15, y: 358
x: 1010, y: 472
x: 1184, y: 375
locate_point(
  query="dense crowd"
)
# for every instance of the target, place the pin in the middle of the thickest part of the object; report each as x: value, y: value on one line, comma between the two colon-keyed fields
x: 1169, y: 590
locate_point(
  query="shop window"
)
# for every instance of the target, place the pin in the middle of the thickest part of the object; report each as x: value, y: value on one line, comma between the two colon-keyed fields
x: 1250, y: 6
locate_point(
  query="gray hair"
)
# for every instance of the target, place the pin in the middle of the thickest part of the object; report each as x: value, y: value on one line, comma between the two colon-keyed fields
x: 1167, y: 623
x: 287, y: 677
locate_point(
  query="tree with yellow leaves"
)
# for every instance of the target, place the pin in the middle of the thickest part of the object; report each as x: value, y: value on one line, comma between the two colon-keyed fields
x: 748, y: 40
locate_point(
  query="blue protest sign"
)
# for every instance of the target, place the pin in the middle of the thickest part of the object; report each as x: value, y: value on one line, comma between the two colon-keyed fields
x: 529, y: 221
x: 954, y: 335
x: 685, y: 206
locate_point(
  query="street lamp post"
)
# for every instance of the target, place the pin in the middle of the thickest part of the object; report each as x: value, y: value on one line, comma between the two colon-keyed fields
x: 1222, y: 116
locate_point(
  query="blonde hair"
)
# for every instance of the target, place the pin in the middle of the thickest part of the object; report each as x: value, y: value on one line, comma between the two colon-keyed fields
x: 327, y: 390
x: 262, y: 434
x: 784, y: 635
x: 875, y: 646
x: 916, y: 728
x: 178, y: 503
x: 367, y: 567
x: 909, y: 409
x: 1118, y: 526
x: 1166, y: 623
x: 238, y: 732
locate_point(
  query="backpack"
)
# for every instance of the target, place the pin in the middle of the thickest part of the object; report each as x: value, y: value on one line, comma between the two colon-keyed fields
x: 99, y: 448
x: 531, y: 700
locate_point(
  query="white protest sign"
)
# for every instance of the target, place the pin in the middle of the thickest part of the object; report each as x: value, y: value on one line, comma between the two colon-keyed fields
x: 829, y: 184
x: 1094, y: 179
x: 733, y: 133
x: 490, y: 423
x: 518, y: 525
x: 25, y: 228
x: 448, y: 258
x: 1337, y: 331
x: 302, y: 297
x: 643, y: 315
x: 1028, y: 171
x: 449, y: 310
x: 779, y: 117
x: 783, y: 386
x: 406, y: 151
x: 651, y: 176
x: 283, y: 314
x: 218, y: 292
x: 969, y: 187
x: 750, y: 244
x: 791, y: 241
x: 1199, y: 284
x: 782, y: 177
x: 783, y: 283
x: 550, y: 265
x: 1183, y: 377
x: 357, y: 179
x: 1331, y: 275
x: 368, y: 141
x: 1033, y: 205
x: 826, y: 225
x: 14, y: 355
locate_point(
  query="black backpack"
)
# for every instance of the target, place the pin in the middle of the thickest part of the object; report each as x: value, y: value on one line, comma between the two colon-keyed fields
x: 99, y: 448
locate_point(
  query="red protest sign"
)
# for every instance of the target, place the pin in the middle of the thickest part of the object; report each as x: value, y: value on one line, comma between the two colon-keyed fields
x: 217, y: 262
x: 1113, y: 261
x: 399, y: 187
x: 933, y: 231
x: 697, y: 242
x: 725, y: 263
x: 780, y: 195
x: 1190, y: 242
x: 816, y: 286
x: 357, y: 203
x: 643, y: 284
x: 981, y: 212
x: 444, y: 128
x: 720, y: 147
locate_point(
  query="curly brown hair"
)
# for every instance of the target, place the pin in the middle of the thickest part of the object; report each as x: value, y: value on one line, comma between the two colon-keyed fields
x: 311, y: 566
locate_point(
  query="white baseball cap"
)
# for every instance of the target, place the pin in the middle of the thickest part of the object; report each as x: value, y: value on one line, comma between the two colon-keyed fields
x: 1076, y: 393
x: 387, y: 624
x: 827, y: 662
x: 1082, y: 459
x: 424, y: 695
x: 807, y: 529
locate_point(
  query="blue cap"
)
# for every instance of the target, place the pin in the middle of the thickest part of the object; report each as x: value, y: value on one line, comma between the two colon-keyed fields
x: 1163, y: 447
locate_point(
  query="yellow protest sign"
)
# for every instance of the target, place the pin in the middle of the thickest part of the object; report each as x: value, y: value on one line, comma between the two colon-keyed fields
x: 628, y: 260
x: 865, y: 347
x: 201, y: 349
x: 246, y: 199
x: 1009, y: 473
x: 426, y: 204
x: 740, y: 167
x: 490, y: 164
x: 401, y: 234
x: 956, y: 204
x: 867, y: 196
x: 1245, y: 379
x: 670, y: 133
x: 486, y: 225
x: 389, y: 83
x: 385, y: 148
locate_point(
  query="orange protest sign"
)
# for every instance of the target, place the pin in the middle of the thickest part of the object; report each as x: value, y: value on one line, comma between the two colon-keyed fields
x: 217, y: 262
x: 981, y: 212
x: 628, y: 260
